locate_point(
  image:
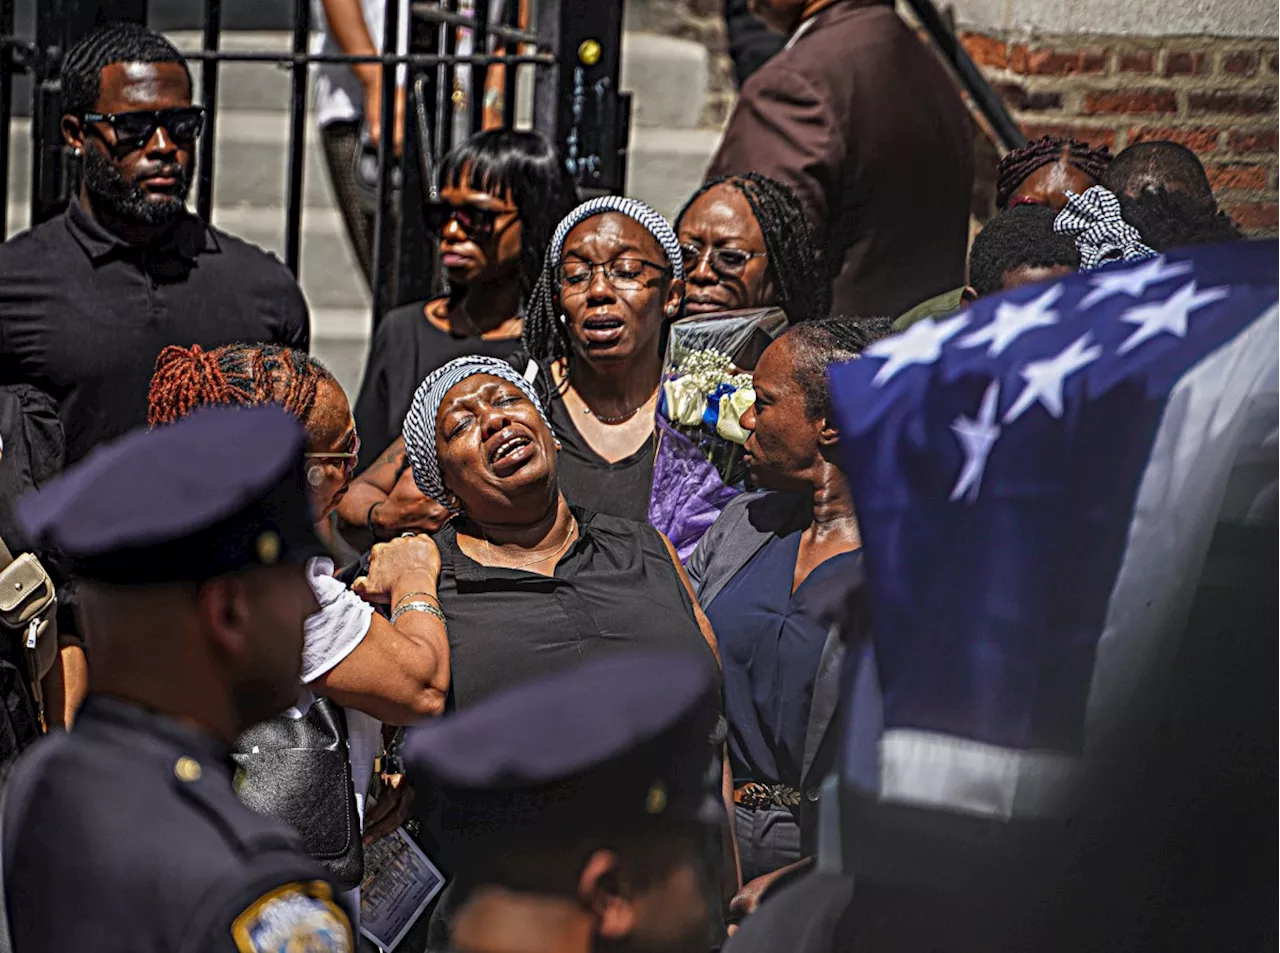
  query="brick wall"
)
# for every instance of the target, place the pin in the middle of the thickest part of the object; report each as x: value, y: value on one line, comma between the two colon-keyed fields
x: 1216, y: 96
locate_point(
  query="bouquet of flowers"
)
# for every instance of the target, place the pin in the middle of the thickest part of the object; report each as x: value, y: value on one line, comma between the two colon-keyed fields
x: 706, y: 389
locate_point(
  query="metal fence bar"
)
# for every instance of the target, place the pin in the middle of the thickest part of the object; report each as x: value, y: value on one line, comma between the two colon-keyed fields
x: 384, y: 239
x: 209, y: 96
x: 408, y: 59
x: 449, y: 77
x: 297, y: 137
x: 511, y: 74
x: 479, y: 74
x: 985, y: 98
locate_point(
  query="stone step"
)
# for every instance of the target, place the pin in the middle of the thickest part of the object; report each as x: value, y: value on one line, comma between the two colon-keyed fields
x: 665, y: 166
x: 667, y: 78
x: 340, y: 339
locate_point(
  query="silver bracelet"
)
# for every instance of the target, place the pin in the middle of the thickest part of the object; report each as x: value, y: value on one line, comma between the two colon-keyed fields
x: 419, y: 607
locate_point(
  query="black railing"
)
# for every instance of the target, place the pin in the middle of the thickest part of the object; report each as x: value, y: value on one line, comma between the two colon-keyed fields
x: 432, y: 63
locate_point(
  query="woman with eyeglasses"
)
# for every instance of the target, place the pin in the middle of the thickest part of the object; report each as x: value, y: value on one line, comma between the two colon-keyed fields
x: 501, y: 194
x: 746, y: 243
x: 612, y: 280
x: 378, y: 672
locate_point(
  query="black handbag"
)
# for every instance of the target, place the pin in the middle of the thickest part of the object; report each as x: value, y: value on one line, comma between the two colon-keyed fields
x: 299, y: 770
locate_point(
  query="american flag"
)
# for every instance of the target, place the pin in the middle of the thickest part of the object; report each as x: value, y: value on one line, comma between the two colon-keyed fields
x: 1037, y: 479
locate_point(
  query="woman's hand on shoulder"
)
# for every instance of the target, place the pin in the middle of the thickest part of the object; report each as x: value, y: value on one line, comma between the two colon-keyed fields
x: 391, y: 562
x: 408, y: 509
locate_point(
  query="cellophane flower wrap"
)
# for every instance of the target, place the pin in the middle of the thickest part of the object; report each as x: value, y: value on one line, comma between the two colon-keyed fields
x: 706, y: 388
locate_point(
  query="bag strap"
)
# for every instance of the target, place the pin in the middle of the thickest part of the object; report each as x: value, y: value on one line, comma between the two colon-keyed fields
x: 6, y: 557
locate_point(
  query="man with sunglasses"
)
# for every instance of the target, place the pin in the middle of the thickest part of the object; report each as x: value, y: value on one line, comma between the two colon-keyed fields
x: 89, y: 298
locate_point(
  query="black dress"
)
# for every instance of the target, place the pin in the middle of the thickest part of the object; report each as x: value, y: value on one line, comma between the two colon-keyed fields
x: 406, y: 348
x: 614, y: 590
x: 589, y: 480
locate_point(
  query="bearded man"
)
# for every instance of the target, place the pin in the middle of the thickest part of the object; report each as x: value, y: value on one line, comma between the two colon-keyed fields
x: 89, y: 298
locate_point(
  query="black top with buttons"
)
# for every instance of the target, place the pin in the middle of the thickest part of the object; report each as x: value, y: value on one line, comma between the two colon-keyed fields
x: 125, y: 836
x: 84, y: 314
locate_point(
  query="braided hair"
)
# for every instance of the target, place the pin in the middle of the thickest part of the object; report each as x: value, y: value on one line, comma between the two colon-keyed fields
x: 186, y: 379
x: 544, y: 338
x: 1017, y: 165
x: 796, y: 262
x: 119, y: 42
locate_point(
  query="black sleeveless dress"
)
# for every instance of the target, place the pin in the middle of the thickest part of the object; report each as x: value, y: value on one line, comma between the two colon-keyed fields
x: 615, y: 590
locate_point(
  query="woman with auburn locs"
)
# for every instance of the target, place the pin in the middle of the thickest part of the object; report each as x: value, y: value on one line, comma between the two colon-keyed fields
x: 502, y: 193
x: 772, y: 573
x: 378, y: 671
x: 612, y: 280
x: 1045, y: 169
x: 747, y: 243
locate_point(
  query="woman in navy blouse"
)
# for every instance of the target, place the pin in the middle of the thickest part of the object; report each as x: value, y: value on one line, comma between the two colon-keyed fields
x: 773, y: 574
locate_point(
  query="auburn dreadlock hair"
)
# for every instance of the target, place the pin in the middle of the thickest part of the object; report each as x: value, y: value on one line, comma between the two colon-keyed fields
x: 186, y: 379
x: 1020, y: 163
x: 795, y: 260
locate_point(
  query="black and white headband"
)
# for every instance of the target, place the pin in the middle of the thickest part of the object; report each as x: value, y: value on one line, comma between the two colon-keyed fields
x: 654, y: 224
x: 420, y: 421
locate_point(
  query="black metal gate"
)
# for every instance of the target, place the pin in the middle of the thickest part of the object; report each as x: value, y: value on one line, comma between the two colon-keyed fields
x: 573, y: 47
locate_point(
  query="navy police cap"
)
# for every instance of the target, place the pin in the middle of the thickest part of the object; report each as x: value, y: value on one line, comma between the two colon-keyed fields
x: 217, y: 492
x: 609, y: 741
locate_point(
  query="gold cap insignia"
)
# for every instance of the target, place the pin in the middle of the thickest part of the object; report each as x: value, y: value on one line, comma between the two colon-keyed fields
x: 656, y: 801
x: 268, y: 547
x: 187, y: 769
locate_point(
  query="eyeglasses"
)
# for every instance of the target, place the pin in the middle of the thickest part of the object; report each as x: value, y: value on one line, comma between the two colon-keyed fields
x: 348, y: 458
x: 185, y: 123
x: 622, y: 273
x: 726, y: 261
x: 475, y: 221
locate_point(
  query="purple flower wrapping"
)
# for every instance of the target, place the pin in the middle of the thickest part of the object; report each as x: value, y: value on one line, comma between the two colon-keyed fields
x: 687, y: 494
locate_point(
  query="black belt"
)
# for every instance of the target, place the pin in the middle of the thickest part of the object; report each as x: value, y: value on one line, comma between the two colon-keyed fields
x: 755, y: 795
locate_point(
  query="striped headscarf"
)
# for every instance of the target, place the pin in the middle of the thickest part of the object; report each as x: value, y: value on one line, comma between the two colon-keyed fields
x: 654, y: 224
x: 420, y: 421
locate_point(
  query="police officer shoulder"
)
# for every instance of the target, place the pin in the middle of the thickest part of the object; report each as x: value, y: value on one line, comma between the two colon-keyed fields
x: 126, y: 834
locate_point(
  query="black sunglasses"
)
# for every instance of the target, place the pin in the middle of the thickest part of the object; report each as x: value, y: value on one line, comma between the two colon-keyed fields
x: 184, y: 123
x: 475, y: 221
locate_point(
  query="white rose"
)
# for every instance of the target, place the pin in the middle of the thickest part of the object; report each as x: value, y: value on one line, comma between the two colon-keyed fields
x: 732, y: 407
x: 685, y: 402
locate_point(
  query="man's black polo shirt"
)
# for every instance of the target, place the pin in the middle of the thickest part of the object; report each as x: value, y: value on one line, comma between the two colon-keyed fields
x: 84, y: 314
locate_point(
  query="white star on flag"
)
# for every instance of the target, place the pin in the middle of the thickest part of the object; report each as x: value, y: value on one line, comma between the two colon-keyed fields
x: 1012, y: 320
x: 1168, y: 315
x: 977, y: 437
x: 1045, y: 378
x: 1134, y: 281
x: 919, y: 344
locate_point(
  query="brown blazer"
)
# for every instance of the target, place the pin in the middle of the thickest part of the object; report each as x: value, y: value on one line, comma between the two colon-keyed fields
x: 865, y: 123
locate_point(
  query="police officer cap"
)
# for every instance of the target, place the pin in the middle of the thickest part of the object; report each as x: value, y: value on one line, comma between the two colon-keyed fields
x: 214, y: 493
x: 610, y: 741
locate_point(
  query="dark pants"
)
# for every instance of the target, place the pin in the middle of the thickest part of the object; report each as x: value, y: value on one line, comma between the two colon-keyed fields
x: 768, y: 838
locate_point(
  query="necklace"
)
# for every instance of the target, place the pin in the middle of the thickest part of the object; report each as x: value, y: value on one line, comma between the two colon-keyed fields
x: 586, y: 409
x: 488, y: 550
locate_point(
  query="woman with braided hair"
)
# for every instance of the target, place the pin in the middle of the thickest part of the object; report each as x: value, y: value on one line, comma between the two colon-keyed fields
x: 377, y: 671
x: 1042, y: 171
x: 594, y: 332
x: 747, y: 244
